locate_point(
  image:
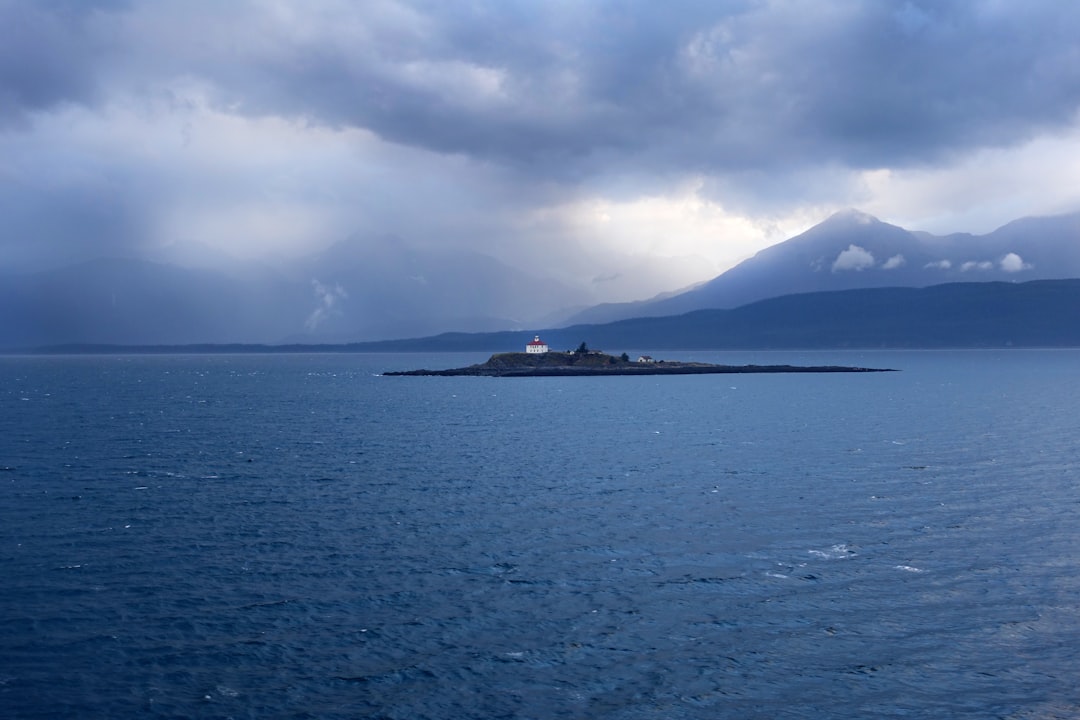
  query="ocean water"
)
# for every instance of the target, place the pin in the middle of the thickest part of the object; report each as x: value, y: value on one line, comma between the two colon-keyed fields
x: 297, y: 536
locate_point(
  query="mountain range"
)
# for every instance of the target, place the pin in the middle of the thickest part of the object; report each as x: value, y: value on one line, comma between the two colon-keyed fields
x: 355, y: 290
x: 383, y: 289
x: 1038, y: 313
x: 854, y: 250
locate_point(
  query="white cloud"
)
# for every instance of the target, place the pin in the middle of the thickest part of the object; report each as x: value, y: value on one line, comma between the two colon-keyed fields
x: 643, y: 243
x: 939, y: 265
x: 980, y: 265
x: 980, y: 191
x: 327, y: 297
x: 456, y: 82
x: 1014, y: 263
x: 896, y: 261
x: 272, y: 129
x: 854, y: 258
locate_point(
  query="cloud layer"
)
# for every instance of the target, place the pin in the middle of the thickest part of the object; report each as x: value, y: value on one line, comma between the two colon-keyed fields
x: 653, y: 143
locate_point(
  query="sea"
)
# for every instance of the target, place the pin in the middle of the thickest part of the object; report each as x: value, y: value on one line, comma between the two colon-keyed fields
x: 300, y: 536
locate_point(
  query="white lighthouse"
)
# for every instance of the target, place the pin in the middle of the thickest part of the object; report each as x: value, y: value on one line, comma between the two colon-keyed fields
x: 536, y: 346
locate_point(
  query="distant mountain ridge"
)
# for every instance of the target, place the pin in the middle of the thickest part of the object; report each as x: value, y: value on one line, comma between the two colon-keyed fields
x: 853, y: 250
x: 1040, y: 313
x: 355, y: 290
x: 367, y: 289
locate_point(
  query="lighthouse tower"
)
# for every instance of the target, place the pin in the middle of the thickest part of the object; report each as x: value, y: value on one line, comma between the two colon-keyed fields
x: 536, y: 346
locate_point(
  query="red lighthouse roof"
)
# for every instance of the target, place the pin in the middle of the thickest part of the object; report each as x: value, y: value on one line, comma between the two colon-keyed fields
x: 538, y: 341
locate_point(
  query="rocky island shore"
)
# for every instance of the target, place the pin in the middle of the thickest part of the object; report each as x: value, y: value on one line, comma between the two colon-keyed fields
x: 567, y: 364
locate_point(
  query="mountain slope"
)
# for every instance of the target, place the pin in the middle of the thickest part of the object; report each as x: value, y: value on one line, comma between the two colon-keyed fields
x: 1041, y: 313
x: 125, y: 301
x: 853, y: 250
x: 356, y: 290
x: 382, y: 288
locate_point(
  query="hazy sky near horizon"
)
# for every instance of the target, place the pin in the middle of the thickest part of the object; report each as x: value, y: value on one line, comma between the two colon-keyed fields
x: 632, y: 146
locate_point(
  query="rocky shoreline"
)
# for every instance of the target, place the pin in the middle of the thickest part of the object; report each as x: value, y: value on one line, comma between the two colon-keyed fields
x: 600, y: 364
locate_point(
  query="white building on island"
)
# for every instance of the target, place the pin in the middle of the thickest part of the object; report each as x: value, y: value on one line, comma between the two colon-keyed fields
x: 536, y: 346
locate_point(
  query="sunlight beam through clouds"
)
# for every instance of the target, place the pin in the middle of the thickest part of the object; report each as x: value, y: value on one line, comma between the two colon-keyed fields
x: 980, y: 191
x: 630, y: 149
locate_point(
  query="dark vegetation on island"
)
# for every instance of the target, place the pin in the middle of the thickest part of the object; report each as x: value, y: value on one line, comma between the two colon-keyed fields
x: 585, y: 362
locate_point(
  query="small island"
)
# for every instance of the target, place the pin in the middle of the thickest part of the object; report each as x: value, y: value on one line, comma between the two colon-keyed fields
x: 585, y: 362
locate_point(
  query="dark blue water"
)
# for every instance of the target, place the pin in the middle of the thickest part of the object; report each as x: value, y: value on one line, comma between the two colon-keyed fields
x: 299, y: 537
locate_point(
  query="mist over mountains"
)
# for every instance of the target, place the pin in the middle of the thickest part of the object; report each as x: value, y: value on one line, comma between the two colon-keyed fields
x: 1039, y: 313
x: 854, y: 250
x: 351, y: 291
x: 354, y: 292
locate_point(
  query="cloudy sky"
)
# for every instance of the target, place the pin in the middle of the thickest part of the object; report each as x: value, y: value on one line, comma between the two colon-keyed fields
x: 631, y: 146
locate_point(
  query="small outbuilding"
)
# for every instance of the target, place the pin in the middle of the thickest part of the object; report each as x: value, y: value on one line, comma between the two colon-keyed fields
x: 536, y: 346
x: 645, y: 359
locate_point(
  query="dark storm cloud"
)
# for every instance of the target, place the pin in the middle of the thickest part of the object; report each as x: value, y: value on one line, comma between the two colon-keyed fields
x: 75, y: 208
x: 160, y: 121
x: 719, y: 85
x: 50, y: 52
x: 575, y: 87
